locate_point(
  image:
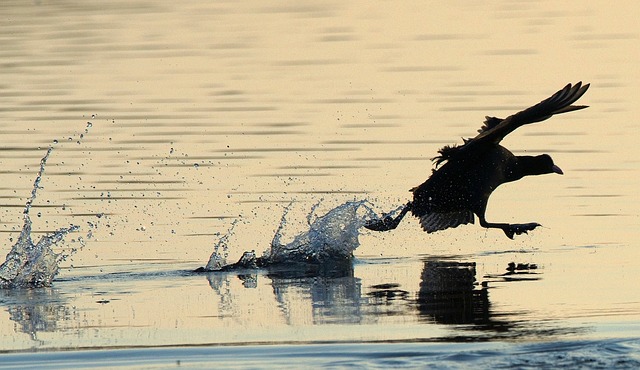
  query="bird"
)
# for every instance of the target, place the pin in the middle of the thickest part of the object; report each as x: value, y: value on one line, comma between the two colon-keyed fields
x: 464, y: 176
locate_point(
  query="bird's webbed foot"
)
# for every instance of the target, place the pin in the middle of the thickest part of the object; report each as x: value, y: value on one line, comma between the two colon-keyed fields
x: 383, y: 224
x: 518, y: 229
x: 387, y: 222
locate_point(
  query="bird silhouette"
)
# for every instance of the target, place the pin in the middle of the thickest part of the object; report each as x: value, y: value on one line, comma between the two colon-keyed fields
x: 465, y: 175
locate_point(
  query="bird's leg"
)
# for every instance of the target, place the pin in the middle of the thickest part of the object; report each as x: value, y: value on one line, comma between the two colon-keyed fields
x: 519, y: 229
x: 387, y: 222
x: 509, y: 229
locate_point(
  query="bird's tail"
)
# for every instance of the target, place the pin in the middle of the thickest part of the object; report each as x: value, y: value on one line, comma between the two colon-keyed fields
x: 387, y: 222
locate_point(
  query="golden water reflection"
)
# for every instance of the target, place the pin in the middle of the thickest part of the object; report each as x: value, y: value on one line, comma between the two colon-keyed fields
x: 205, y: 113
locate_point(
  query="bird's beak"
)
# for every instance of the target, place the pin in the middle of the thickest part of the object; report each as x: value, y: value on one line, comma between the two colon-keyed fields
x: 557, y: 170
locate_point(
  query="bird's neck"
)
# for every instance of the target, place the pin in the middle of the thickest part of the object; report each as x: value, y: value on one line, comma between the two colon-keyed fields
x: 526, y: 165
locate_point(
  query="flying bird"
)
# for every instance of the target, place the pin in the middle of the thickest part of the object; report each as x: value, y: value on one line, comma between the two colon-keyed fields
x: 465, y: 175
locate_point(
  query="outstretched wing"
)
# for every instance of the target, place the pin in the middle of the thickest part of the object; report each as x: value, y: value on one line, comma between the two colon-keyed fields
x: 435, y: 221
x: 495, y: 129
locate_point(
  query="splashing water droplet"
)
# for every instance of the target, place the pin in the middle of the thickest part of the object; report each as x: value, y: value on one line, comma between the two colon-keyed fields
x: 328, y: 243
x: 220, y: 253
x: 331, y: 237
x: 30, y: 264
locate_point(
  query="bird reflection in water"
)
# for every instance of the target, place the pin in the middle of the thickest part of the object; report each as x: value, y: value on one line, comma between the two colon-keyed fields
x: 448, y: 294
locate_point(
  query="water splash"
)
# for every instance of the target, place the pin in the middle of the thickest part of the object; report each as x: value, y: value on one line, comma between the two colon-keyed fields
x: 220, y: 253
x: 329, y: 238
x: 30, y: 264
x: 333, y: 236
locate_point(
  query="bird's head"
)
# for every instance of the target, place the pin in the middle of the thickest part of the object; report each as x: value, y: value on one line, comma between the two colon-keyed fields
x: 535, y: 165
x: 542, y: 164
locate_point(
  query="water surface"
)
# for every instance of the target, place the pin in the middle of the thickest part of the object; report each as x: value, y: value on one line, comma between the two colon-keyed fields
x: 203, y: 115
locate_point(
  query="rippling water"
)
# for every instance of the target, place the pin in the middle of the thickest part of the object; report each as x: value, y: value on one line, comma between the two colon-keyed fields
x: 206, y: 115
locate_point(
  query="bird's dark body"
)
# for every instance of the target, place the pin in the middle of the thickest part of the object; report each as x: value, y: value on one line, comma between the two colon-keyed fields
x: 466, y: 175
x: 461, y: 184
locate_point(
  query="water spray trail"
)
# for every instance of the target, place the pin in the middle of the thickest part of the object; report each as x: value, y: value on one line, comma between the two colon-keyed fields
x: 29, y: 264
x: 329, y: 239
x: 220, y: 253
x: 36, y: 183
